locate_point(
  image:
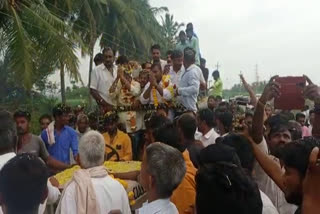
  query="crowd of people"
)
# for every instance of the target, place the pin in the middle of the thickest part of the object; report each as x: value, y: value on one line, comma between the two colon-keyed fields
x: 226, y: 157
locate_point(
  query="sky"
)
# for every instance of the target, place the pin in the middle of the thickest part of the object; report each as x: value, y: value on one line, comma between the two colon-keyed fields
x: 281, y: 37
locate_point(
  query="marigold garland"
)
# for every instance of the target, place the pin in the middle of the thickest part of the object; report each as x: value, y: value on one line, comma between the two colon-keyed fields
x: 155, y: 98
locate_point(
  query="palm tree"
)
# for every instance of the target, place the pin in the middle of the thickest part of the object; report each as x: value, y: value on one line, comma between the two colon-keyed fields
x: 34, y: 35
x: 131, y: 27
x: 170, y: 30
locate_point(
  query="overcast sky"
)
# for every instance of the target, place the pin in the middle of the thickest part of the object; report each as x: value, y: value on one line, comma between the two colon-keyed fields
x: 282, y: 37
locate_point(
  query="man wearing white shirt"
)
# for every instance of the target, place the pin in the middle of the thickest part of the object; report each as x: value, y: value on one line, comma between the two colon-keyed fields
x: 205, y: 119
x: 177, y: 67
x: 102, y: 78
x: 91, y: 188
x: 159, y: 180
x: 188, y: 88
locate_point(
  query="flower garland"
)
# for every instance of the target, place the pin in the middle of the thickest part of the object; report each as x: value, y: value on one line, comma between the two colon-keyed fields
x: 154, y: 95
x: 165, y: 83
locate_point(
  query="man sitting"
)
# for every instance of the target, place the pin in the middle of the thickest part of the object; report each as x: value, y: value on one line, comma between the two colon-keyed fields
x: 117, y: 139
x: 159, y: 180
x: 91, y: 189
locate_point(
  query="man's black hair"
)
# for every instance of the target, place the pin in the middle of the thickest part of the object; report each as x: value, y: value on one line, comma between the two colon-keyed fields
x: 98, y: 58
x: 60, y: 109
x: 208, y: 116
x: 188, y: 126
x: 295, y: 130
x: 222, y: 186
x: 274, y: 120
x: 122, y: 60
x: 296, y: 154
x: 108, y: 49
x: 190, y: 25
x: 243, y: 149
x: 143, y: 66
x: 45, y: 116
x: 155, y: 47
x: 168, y: 134
x: 203, y: 60
x: 111, y: 118
x: 176, y: 54
x: 300, y: 115
x: 216, y: 73
x: 211, y: 97
x: 156, y: 121
x: 23, y: 183
x: 169, y: 52
x: 189, y: 55
x: 226, y: 119
x: 279, y: 127
x: 182, y: 33
x: 22, y: 113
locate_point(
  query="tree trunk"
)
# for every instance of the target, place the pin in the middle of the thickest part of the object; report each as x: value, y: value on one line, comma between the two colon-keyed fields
x: 62, y: 82
x: 90, y: 71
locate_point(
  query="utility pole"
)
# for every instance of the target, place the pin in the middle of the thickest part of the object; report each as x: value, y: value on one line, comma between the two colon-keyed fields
x: 257, y: 74
x: 217, y: 66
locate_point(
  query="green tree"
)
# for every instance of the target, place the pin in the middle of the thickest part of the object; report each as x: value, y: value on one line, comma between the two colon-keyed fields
x: 34, y: 36
x: 170, y: 30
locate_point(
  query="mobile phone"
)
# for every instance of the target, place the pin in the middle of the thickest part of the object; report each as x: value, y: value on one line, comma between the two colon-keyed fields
x: 291, y: 90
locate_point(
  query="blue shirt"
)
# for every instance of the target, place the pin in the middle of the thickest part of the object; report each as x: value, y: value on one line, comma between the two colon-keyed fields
x: 188, y: 88
x: 66, y: 140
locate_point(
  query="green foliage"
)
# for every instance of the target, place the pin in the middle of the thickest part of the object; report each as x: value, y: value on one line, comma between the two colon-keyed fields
x: 170, y: 30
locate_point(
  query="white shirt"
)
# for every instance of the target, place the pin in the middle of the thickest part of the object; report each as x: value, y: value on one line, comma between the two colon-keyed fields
x: 267, y: 205
x: 209, y: 138
x: 175, y: 76
x: 101, y: 80
x: 188, y: 87
x: 53, y: 192
x: 5, y: 158
x: 160, y: 206
x: 110, y: 194
x: 270, y: 188
x: 167, y: 96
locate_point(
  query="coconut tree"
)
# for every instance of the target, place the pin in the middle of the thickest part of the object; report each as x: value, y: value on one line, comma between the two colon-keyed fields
x: 34, y: 35
x: 170, y: 30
